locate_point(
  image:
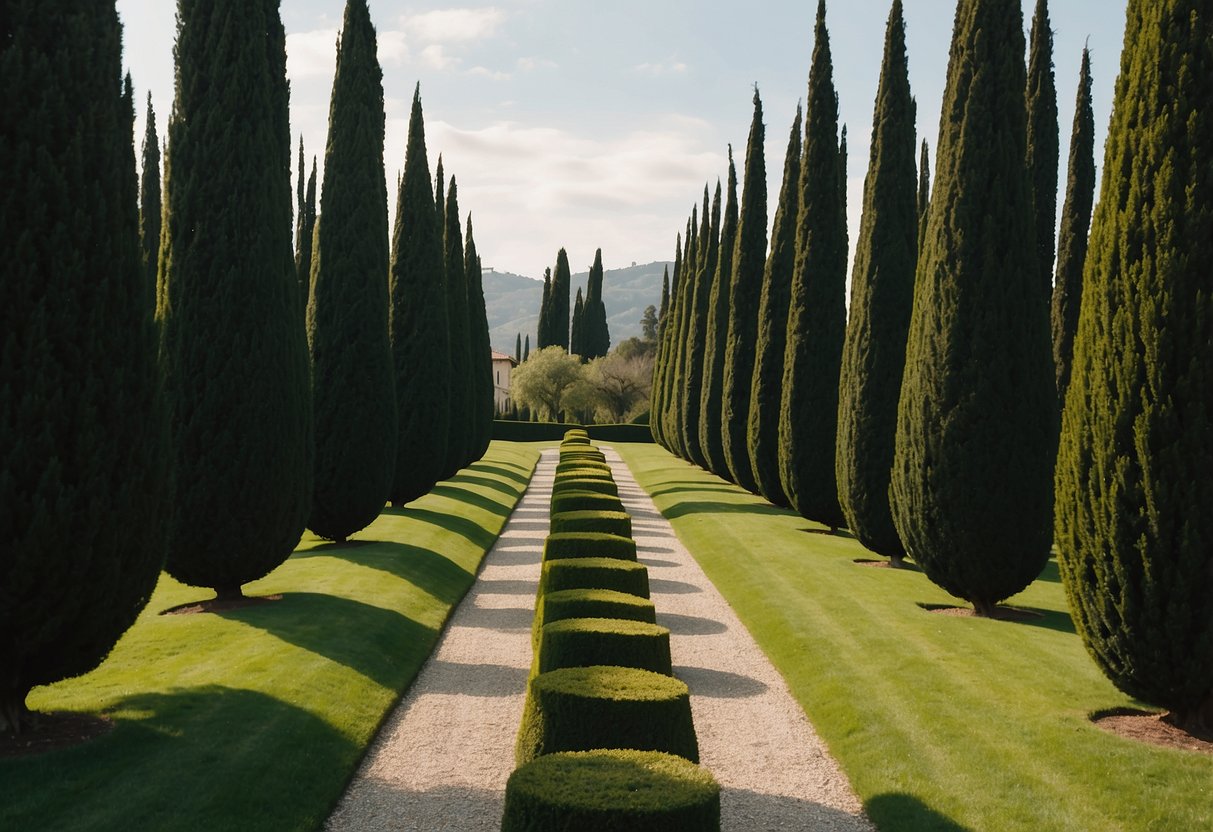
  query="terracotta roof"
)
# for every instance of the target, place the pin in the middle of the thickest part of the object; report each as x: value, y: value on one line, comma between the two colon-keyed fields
x: 500, y: 356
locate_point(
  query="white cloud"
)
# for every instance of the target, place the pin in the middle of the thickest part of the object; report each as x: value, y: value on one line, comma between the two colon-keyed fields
x: 393, y: 48
x: 533, y: 64
x: 435, y: 56
x: 453, y: 25
x: 670, y: 66
x: 490, y: 74
x: 311, y: 54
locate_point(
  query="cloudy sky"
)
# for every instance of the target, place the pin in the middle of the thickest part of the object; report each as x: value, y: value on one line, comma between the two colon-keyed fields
x: 586, y: 124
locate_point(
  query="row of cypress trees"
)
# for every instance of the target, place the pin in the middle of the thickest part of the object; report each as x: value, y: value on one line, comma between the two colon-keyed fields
x: 586, y: 333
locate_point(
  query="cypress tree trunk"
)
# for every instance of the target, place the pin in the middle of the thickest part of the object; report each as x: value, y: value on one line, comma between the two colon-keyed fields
x: 1075, y: 221
x: 543, y: 339
x: 558, y: 316
x: 766, y: 392
x: 347, y: 316
x: 882, y: 293
x: 236, y: 356
x: 749, y: 259
x: 709, y: 246
x: 711, y: 403
x: 808, y: 420
x: 1133, y: 478
x: 1043, y: 139
x: 84, y: 447
x: 576, y: 347
x: 420, y: 329
x: 460, y: 411
x: 481, y: 376
x: 150, y: 206
x: 924, y: 193
x: 976, y: 436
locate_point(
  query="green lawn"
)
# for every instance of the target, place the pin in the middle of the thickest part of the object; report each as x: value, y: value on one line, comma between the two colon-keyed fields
x: 256, y: 719
x: 940, y: 723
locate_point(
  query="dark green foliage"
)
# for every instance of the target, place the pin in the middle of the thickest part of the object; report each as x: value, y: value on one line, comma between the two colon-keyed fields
x: 1075, y: 222
x: 84, y: 453
x: 353, y: 389
x: 561, y: 545
x: 663, y: 367
x: 766, y: 390
x: 711, y: 442
x: 526, y: 348
x: 924, y: 192
x: 234, y: 348
x: 440, y: 205
x: 697, y: 333
x: 459, y: 410
x: 1043, y: 140
x: 419, y: 329
x: 665, y: 299
x: 150, y: 205
x: 576, y: 347
x: 641, y: 791
x: 882, y: 293
x: 558, y: 312
x: 745, y: 293
x: 563, y: 604
x: 305, y: 228
x: 614, y: 642
x: 606, y: 522
x: 976, y: 436
x: 578, y: 483
x: 1134, y: 530
x: 676, y: 378
x: 545, y: 306
x: 595, y: 334
x: 575, y: 500
x: 808, y: 417
x: 551, y: 431
x: 595, y: 573
x: 583, y: 708
x: 518, y: 348
x: 480, y: 378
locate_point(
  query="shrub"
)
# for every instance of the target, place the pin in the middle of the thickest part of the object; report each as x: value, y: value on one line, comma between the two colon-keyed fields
x: 584, y: 472
x: 574, y: 436
x: 585, y: 708
x: 585, y: 642
x: 565, y: 500
x: 596, y: 484
x: 578, y: 464
x: 591, y: 603
x: 595, y: 573
x: 608, y: 522
x: 554, y: 432
x: 588, y: 545
x: 572, y: 452
x: 609, y: 789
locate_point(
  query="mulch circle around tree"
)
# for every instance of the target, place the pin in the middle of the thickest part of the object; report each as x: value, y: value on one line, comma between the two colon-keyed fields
x: 60, y: 729
x: 886, y: 564
x: 224, y: 605
x: 1014, y: 614
x: 1153, y: 728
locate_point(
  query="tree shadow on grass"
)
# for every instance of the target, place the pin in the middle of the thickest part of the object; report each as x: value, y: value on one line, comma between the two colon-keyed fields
x: 466, y: 478
x: 510, y: 470
x: 469, y: 529
x: 716, y: 507
x: 382, y: 645
x: 906, y: 813
x: 466, y: 495
x: 1013, y: 614
x: 424, y: 568
x: 1050, y: 573
x: 685, y: 486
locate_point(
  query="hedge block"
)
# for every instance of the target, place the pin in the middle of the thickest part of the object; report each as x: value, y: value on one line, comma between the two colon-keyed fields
x: 607, y: 522
x: 563, y: 604
x: 595, y: 573
x: 584, y: 473
x: 584, y: 642
x: 599, y: 485
x: 588, y: 545
x: 569, y: 499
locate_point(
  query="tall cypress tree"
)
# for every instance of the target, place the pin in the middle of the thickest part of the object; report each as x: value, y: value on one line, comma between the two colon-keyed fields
x: 665, y: 299
x: 808, y: 418
x: 1043, y: 140
x: 460, y: 410
x: 976, y: 436
x: 481, y: 375
x: 1075, y: 222
x: 440, y: 205
x: 709, y: 247
x: 353, y: 387
x: 558, y: 316
x: 84, y: 449
x: 882, y: 293
x: 655, y: 403
x: 305, y: 228
x: 745, y: 291
x: 545, y: 306
x: 150, y: 205
x: 576, y: 347
x: 596, y: 335
x: 669, y: 354
x: 677, y: 374
x: 1133, y: 483
x: 766, y: 391
x: 518, y: 348
x: 924, y: 192
x: 236, y: 356
x: 420, y: 329
x: 526, y: 347
x: 710, y: 400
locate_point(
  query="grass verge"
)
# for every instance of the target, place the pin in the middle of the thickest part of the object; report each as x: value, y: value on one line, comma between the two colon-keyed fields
x: 257, y: 718
x: 940, y: 723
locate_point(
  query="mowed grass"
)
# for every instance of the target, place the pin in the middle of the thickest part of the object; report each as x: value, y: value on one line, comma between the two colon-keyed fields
x: 940, y: 723
x: 257, y: 718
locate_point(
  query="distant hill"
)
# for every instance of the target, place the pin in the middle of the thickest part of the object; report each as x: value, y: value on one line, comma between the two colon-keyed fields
x: 512, y: 302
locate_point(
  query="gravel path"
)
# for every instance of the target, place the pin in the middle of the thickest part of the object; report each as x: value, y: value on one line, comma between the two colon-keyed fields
x: 441, y: 760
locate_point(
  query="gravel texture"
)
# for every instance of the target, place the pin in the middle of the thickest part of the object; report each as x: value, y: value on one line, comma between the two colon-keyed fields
x: 442, y: 757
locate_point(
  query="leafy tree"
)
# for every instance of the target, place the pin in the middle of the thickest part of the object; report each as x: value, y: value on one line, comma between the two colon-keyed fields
x: 766, y: 390
x: 620, y: 383
x: 882, y: 292
x: 1133, y: 476
x: 634, y: 347
x: 595, y: 333
x: 459, y: 410
x: 1043, y: 139
x: 546, y: 381
x: 745, y: 291
x: 305, y: 228
x: 234, y: 348
x: 84, y: 448
x: 710, y: 399
x: 709, y: 248
x: 481, y: 376
x: 976, y: 437
x: 558, y: 317
x: 1075, y: 222
x: 150, y: 205
x: 353, y: 386
x: 648, y: 323
x: 420, y: 330
x: 808, y: 418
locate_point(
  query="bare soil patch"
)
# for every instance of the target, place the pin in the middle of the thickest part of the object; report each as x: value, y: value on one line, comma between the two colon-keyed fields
x: 905, y: 566
x: 218, y: 605
x: 60, y: 729
x: 1152, y: 728
x: 1014, y: 614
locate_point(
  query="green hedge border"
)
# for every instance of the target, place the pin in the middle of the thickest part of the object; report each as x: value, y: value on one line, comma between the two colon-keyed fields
x: 555, y: 431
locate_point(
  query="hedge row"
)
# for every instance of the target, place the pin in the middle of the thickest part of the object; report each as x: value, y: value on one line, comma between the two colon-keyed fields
x: 554, y: 432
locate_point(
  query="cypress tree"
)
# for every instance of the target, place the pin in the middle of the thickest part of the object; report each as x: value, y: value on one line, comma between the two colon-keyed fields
x: 236, y: 356
x: 1075, y: 221
x: 440, y: 206
x: 526, y: 347
x: 710, y: 400
x: 353, y: 386
x: 545, y: 306
x: 595, y: 333
x: 1133, y: 483
x: 305, y: 229
x: 481, y: 376
x: 518, y: 348
x: 882, y: 293
x: 1043, y: 139
x: 84, y: 448
x: 558, y: 317
x: 676, y: 376
x: 924, y: 193
x: 808, y: 418
x: 460, y: 410
x: 576, y: 347
x: 420, y: 330
x: 766, y: 390
x: 149, y: 203
x: 655, y: 403
x: 665, y: 300
x: 709, y: 247
x: 976, y: 437
x: 745, y: 290
x: 669, y: 354
x: 300, y: 215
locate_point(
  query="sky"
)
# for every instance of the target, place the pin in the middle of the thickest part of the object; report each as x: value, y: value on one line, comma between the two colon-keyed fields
x: 586, y: 124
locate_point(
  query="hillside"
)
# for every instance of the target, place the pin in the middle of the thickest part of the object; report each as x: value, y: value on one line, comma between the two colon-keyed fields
x: 512, y: 302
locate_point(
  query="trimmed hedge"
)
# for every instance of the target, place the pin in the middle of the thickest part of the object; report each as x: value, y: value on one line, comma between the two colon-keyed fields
x: 578, y: 456
x: 596, y: 484
x: 563, y: 604
x: 588, y: 545
x: 586, y: 708
x: 579, y: 464
x: 611, y: 789
x: 595, y: 573
x: 565, y: 500
x: 554, y: 432
x: 585, y: 642
x: 576, y: 436
x: 607, y: 522
x: 585, y: 472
